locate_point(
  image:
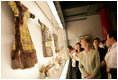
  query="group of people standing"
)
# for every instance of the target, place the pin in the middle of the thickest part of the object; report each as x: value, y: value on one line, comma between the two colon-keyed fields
x: 95, y: 62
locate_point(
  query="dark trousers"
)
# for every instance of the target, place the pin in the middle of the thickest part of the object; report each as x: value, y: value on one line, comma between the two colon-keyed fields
x: 103, y: 72
x: 113, y: 72
x: 78, y: 73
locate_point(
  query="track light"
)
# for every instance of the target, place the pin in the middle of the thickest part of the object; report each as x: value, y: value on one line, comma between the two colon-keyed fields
x: 54, y: 11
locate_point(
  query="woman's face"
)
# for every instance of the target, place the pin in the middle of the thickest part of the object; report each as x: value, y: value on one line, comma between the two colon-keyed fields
x: 77, y: 46
x: 96, y: 43
x: 83, y: 43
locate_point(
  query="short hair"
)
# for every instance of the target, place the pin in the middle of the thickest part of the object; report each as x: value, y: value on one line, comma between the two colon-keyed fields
x: 113, y: 34
x: 70, y: 47
x: 103, y: 41
x: 88, y: 40
x: 79, y: 44
x: 98, y: 39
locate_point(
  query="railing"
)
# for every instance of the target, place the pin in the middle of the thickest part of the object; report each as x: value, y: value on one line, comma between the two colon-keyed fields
x: 65, y: 70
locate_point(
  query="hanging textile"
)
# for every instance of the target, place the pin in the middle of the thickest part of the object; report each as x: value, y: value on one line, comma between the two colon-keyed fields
x: 47, y: 42
x: 23, y: 53
x: 55, y: 41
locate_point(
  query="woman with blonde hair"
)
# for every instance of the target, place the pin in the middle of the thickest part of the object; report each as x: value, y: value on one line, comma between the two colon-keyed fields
x: 89, y: 61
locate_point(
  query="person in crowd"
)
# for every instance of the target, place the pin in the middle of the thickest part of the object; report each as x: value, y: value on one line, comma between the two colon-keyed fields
x: 89, y: 61
x: 78, y: 47
x: 78, y: 50
x: 103, y: 45
x: 102, y: 54
x: 72, y: 53
x: 112, y: 63
x: 107, y: 58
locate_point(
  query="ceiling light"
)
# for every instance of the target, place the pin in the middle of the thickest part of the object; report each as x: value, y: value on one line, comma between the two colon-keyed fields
x: 54, y: 11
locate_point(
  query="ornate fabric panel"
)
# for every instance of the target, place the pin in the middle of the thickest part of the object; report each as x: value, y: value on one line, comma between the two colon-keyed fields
x: 23, y: 53
x: 47, y: 42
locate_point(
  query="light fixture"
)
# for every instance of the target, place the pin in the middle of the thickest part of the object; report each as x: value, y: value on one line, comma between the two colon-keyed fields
x: 54, y: 11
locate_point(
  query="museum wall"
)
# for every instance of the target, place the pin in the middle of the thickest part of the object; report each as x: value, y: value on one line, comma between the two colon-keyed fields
x: 7, y: 36
x: 91, y: 25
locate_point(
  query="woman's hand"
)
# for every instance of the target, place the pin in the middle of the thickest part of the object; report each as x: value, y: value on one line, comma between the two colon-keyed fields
x: 107, y: 69
x: 73, y: 58
x: 103, y: 63
x: 89, y: 77
x: 76, y: 54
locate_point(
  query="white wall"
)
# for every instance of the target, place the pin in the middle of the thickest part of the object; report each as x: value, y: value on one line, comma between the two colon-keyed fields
x: 62, y: 42
x: 90, y: 26
x: 7, y: 37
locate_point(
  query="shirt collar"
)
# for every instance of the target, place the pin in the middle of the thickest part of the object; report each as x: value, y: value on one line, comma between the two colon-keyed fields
x: 114, y: 45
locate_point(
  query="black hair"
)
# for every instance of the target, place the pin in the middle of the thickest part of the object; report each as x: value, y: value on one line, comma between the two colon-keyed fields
x: 97, y: 39
x: 70, y: 47
x: 80, y: 47
x: 79, y: 44
x: 113, y: 34
x: 103, y: 41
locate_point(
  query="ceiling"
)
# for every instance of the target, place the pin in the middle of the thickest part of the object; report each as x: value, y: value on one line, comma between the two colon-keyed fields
x: 79, y: 10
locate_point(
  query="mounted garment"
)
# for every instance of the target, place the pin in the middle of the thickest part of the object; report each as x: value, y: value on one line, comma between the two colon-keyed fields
x: 23, y: 53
